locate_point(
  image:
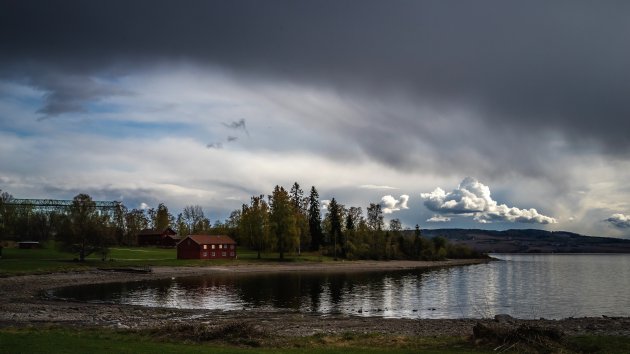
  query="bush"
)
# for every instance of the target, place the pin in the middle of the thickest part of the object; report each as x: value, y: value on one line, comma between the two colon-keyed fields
x: 523, y: 339
x: 236, y: 332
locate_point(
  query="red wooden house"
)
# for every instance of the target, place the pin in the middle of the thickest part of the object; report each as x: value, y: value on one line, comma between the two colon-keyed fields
x: 206, y: 247
x: 163, y: 238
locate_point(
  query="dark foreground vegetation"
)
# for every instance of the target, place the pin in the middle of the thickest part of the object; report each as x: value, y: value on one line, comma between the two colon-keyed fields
x: 284, y: 222
x: 249, y: 338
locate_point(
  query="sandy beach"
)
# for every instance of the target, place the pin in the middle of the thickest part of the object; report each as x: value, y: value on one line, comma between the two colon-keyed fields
x: 22, y: 303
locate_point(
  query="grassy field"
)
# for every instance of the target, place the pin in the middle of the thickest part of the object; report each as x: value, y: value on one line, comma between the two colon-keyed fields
x: 95, y: 341
x: 109, y: 341
x: 17, y: 261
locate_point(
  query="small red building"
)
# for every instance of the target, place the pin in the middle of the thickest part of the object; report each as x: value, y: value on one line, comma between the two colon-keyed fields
x: 206, y: 247
x: 163, y: 238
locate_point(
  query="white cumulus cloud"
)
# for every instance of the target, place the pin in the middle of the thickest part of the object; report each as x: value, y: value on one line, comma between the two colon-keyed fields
x: 439, y: 218
x: 374, y: 186
x: 620, y: 220
x: 391, y: 204
x: 472, y: 198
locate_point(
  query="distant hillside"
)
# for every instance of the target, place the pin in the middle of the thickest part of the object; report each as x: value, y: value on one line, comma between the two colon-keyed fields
x: 530, y: 241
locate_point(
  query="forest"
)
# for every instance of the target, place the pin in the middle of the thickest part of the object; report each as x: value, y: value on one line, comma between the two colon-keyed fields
x: 284, y: 222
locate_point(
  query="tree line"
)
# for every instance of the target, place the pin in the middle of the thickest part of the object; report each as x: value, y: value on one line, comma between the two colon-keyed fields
x: 286, y: 221
x: 84, y: 229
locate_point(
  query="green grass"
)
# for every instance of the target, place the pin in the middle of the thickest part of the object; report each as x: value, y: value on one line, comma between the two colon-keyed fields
x: 17, y: 261
x: 599, y: 344
x: 92, y: 340
x: 95, y: 341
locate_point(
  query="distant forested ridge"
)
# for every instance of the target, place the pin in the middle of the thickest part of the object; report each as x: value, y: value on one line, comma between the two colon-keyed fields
x: 531, y: 241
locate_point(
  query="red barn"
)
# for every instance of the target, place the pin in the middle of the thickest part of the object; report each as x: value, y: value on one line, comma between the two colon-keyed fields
x: 164, y: 238
x: 206, y: 247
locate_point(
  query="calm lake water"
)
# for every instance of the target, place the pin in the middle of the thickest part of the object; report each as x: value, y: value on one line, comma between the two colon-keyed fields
x: 524, y: 286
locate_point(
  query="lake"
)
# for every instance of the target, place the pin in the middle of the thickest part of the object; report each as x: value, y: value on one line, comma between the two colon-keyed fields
x: 524, y: 286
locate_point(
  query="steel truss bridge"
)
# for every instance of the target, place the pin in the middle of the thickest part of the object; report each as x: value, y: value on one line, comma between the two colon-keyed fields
x: 60, y: 205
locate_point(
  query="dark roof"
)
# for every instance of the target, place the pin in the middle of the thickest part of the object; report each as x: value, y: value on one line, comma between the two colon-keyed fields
x: 212, y: 239
x: 174, y: 237
x: 156, y: 232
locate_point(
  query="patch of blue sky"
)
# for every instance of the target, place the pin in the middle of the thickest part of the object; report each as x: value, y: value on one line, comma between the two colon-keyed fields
x: 22, y: 95
x: 120, y: 129
x: 31, y: 101
x: 102, y: 107
x: 18, y: 131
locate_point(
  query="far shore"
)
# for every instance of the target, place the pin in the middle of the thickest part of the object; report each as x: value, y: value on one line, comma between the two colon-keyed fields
x: 22, y: 304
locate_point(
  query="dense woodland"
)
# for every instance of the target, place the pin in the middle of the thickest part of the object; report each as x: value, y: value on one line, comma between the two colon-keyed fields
x: 287, y: 221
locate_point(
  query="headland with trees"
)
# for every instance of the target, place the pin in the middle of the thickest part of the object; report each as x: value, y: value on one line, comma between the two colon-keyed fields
x: 285, y: 222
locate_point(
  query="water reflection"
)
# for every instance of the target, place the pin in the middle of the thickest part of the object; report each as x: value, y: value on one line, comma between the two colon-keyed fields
x: 551, y: 286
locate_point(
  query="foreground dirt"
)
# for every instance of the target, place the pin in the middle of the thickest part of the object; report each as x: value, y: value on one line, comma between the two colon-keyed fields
x: 22, y: 304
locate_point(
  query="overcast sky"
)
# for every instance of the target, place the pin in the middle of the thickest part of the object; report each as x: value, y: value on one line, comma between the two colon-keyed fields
x: 482, y: 114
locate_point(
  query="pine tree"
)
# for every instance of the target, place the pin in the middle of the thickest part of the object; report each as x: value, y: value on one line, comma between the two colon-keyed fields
x: 334, y: 213
x: 299, y: 204
x: 314, y: 219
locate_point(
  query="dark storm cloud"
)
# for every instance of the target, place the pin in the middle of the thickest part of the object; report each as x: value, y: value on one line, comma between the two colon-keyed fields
x: 531, y: 66
x: 620, y: 221
x: 71, y: 93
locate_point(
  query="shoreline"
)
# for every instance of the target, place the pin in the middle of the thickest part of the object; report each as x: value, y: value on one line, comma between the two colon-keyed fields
x: 21, y: 304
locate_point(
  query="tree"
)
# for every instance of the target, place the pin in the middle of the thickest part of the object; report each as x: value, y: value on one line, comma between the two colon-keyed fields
x: 135, y: 221
x: 297, y: 196
x: 120, y: 225
x: 352, y: 234
x: 417, y: 242
x: 300, y: 204
x: 254, y: 224
x: 440, y: 244
x: 282, y: 220
x: 152, y: 217
x: 353, y: 218
x: 231, y: 225
x: 395, y: 226
x: 375, y: 217
x: 396, y: 239
x: 6, y: 212
x: 314, y: 219
x: 334, y: 213
x: 181, y: 225
x: 87, y: 230
x: 163, y: 218
x: 193, y: 216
